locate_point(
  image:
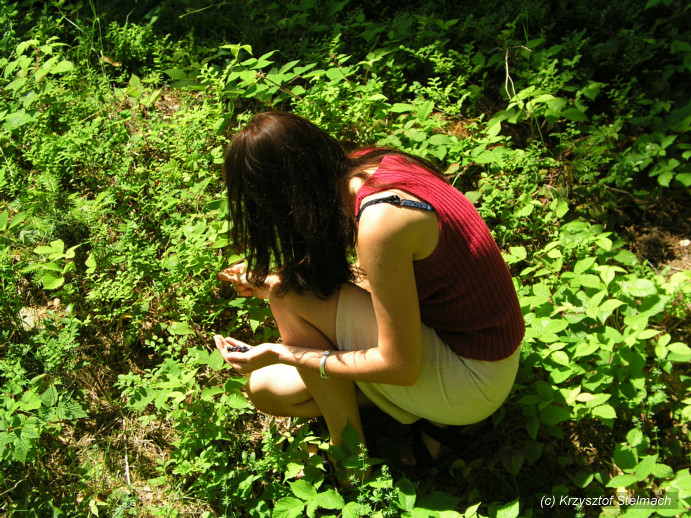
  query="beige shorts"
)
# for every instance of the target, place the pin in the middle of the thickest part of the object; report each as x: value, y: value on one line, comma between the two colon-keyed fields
x: 451, y: 390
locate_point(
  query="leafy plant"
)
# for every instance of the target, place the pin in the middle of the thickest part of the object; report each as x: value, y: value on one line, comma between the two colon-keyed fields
x: 569, y: 137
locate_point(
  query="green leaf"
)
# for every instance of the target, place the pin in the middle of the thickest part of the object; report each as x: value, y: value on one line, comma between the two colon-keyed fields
x: 608, y: 273
x: 624, y: 457
x: 401, y: 108
x: 554, y: 414
x: 21, y: 47
x: 622, y: 481
x: 546, y: 329
x: 425, y: 110
x: 17, y: 219
x: 209, y: 392
x: 639, y: 288
x: 587, y: 348
x: 62, y: 67
x: 377, y: 97
x: 70, y: 253
x: 30, y: 430
x: 4, y: 217
x: 216, y: 361
x: 90, y: 263
x: 441, y: 139
x: 356, y: 510
x: 679, y: 352
x: 56, y: 248
x: 561, y: 358
x: 562, y: 207
x: 303, y: 489
x: 561, y: 373
x: 330, y: 499
x: 20, y: 450
x: 583, y: 479
x: 684, y: 179
x: 406, y: 494
x: 237, y: 47
x: 607, y: 308
x: 180, y: 329
x: 288, y: 507
x: 604, y: 412
x: 680, y: 348
x: 518, y: 253
x: 574, y: 114
x: 52, y: 280
x: 53, y: 267
x: 437, y: 501
x: 586, y: 280
x: 30, y: 401
x: 532, y: 425
x: 17, y: 119
x: 237, y: 400
x: 293, y: 469
x: 634, y: 437
x: 593, y: 400
x: 556, y: 105
x: 584, y: 265
x: 50, y: 396
x: 626, y: 257
x: 175, y: 73
x: 509, y: 510
x: 662, y: 471
x: 645, y: 467
x: 70, y: 410
x: 513, y: 461
x: 592, y: 90
x: 264, y: 60
x: 647, y: 334
x: 493, y: 128
x: 335, y: 74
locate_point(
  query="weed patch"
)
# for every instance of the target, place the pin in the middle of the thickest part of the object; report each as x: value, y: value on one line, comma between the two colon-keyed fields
x: 571, y: 138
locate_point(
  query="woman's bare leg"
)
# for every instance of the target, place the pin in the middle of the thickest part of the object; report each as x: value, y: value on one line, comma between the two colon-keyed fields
x: 306, y: 321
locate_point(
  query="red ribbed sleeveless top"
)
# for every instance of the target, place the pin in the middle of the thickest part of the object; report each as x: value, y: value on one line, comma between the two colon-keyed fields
x: 465, y: 289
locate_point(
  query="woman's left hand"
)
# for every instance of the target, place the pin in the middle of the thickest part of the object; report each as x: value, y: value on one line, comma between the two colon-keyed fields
x: 244, y: 362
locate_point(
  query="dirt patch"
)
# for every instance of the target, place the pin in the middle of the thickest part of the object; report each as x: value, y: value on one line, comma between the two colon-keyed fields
x: 662, y: 248
x: 659, y: 232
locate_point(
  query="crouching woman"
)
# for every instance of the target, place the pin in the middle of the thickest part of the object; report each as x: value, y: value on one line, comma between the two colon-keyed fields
x: 425, y: 324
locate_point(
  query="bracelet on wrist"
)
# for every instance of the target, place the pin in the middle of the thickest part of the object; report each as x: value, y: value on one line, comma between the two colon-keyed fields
x: 322, y: 365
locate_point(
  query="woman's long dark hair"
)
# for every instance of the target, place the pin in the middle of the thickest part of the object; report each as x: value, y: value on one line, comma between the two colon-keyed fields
x: 285, y: 178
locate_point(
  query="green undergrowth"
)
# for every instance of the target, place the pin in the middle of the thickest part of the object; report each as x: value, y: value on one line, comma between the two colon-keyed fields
x: 566, y: 125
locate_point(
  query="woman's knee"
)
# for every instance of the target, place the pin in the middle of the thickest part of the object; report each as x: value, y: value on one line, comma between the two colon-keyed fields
x: 276, y: 390
x: 263, y: 400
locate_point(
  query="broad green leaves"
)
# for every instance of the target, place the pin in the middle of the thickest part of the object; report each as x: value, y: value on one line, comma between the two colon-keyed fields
x: 308, y: 500
x: 593, y: 328
x: 112, y: 204
x: 26, y: 416
x: 60, y: 263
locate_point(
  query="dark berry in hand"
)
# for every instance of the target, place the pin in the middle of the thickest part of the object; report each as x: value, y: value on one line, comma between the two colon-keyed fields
x: 237, y: 348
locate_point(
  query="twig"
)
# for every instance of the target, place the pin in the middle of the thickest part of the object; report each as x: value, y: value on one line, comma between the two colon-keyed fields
x: 6, y: 161
x: 506, y: 66
x: 262, y: 75
x: 13, y: 487
x: 195, y: 11
x: 127, y: 468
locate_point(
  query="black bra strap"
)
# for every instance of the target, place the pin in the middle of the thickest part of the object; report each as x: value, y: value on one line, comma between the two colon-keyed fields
x: 394, y: 199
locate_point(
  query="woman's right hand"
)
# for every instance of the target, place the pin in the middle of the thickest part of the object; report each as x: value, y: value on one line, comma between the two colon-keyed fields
x: 236, y: 274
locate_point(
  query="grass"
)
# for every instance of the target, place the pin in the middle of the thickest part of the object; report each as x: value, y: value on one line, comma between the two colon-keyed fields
x: 113, y: 130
